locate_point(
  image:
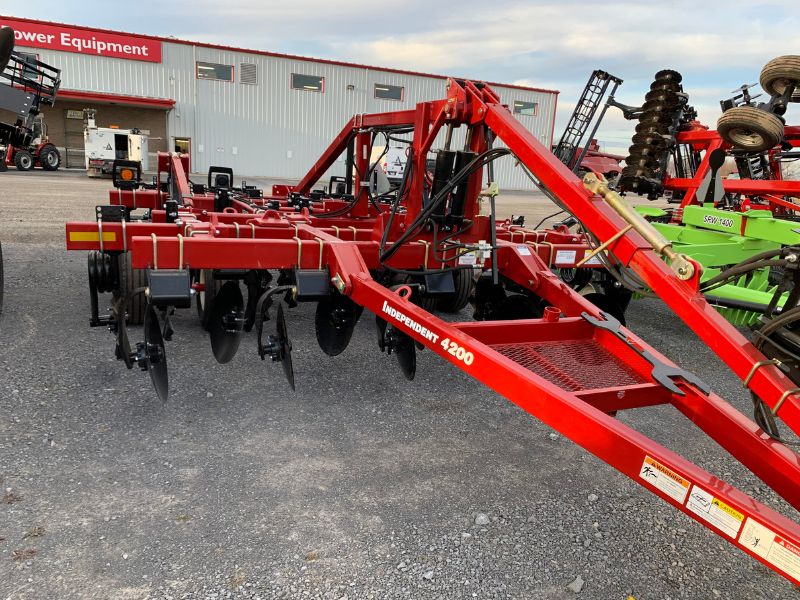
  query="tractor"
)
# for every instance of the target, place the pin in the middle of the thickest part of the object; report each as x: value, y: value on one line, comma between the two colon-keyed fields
x: 26, y: 85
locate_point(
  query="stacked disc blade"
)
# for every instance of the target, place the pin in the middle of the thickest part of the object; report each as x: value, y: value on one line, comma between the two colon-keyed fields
x: 654, y: 130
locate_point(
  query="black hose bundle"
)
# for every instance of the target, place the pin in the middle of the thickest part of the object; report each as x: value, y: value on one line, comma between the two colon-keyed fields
x: 776, y: 335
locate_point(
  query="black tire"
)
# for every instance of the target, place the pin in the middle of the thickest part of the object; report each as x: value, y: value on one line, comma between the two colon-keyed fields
x: 23, y: 160
x: 49, y: 158
x: 6, y: 45
x: 607, y: 304
x: 1, y: 279
x: 778, y: 73
x: 750, y: 129
x: 453, y: 303
x: 425, y: 302
x: 131, y: 279
x: 515, y: 307
x: 205, y: 298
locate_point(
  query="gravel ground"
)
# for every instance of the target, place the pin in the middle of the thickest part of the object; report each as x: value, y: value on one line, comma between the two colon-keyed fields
x: 355, y: 486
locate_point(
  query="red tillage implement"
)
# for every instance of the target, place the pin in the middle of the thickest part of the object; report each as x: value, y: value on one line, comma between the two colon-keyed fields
x: 541, y: 345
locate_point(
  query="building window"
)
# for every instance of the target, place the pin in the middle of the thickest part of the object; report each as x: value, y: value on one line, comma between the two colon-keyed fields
x: 530, y: 109
x: 311, y: 83
x: 385, y: 91
x: 248, y: 73
x: 206, y: 70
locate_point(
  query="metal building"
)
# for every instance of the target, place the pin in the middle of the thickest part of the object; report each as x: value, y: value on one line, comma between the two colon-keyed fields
x: 261, y: 113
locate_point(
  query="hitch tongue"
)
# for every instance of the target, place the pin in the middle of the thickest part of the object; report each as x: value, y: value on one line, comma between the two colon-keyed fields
x: 679, y: 263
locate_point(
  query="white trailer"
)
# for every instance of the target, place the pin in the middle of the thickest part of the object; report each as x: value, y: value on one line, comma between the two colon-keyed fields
x: 103, y: 145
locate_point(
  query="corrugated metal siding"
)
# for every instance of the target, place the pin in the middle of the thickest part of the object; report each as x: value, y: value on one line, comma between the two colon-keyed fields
x: 269, y: 129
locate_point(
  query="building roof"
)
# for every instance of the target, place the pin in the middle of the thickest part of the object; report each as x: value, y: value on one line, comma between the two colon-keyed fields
x: 171, y: 40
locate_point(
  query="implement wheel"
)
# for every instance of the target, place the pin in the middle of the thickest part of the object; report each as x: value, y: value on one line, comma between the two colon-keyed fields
x: 750, y: 129
x: 779, y: 73
x: 131, y: 279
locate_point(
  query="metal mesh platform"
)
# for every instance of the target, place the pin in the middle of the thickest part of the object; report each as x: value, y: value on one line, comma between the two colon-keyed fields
x: 573, y: 365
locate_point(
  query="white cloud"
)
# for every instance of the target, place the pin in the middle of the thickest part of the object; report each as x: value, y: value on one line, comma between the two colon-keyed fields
x: 717, y: 46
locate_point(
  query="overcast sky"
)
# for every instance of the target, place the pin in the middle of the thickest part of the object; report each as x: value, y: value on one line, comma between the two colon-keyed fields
x: 717, y: 46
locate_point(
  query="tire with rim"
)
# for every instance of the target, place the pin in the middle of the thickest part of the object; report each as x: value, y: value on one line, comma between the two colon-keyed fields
x: 49, y: 158
x: 453, y: 303
x: 778, y: 73
x: 750, y: 129
x: 23, y: 160
x: 1, y: 279
x: 205, y: 298
x: 131, y: 279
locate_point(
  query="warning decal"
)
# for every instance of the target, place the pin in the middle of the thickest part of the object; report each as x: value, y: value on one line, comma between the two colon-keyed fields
x: 715, y: 511
x: 781, y: 553
x: 468, y: 258
x: 565, y: 257
x: 664, y: 479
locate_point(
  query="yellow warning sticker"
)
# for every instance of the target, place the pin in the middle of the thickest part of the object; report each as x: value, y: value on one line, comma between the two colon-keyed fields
x: 715, y: 511
x: 773, y: 548
x: 92, y: 236
x: 665, y: 479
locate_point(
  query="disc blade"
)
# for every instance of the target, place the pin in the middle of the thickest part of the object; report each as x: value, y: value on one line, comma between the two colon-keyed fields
x: 666, y: 97
x: 123, y: 350
x: 286, y: 346
x: 6, y: 45
x: 225, y: 322
x: 668, y: 75
x: 380, y: 326
x: 406, y: 356
x: 334, y: 321
x: 156, y: 354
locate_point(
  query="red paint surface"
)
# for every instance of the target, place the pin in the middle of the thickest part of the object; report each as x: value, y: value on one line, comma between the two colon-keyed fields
x: 82, y: 41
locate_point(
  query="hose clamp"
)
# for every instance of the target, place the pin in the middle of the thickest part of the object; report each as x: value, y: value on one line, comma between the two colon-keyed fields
x: 758, y: 365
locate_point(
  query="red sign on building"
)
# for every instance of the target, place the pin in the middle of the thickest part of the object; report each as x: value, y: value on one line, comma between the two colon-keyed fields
x: 83, y: 41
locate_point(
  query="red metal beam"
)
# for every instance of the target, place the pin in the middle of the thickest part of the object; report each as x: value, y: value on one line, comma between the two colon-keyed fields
x: 769, y: 383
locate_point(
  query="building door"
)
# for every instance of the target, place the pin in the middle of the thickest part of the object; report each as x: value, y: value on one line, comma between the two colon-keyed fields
x: 73, y: 139
x: 183, y: 145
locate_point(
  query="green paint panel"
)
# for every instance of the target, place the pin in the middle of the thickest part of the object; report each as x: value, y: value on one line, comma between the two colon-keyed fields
x: 758, y: 224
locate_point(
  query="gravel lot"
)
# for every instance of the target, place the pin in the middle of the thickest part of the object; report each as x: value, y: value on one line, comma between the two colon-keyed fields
x: 359, y: 485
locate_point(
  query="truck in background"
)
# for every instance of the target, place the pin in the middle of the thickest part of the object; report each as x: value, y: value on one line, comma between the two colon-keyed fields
x: 104, y: 145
